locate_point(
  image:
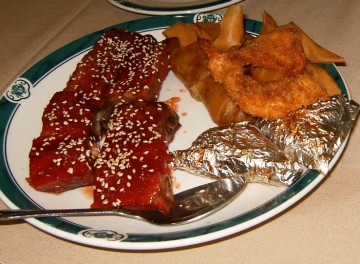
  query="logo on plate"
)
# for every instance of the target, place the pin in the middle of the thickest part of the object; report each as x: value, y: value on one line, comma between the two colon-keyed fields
x: 19, y: 90
x: 207, y: 18
x: 103, y: 234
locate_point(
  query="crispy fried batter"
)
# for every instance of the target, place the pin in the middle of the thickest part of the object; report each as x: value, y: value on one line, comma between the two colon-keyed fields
x: 267, y: 76
x: 278, y: 50
x: 270, y: 100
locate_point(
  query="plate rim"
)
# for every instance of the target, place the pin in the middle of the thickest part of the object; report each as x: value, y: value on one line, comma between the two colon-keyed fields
x: 128, y: 6
x: 80, y: 45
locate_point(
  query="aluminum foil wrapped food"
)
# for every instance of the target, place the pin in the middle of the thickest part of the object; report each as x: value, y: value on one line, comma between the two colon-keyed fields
x: 272, y: 152
x: 313, y: 135
x: 237, y: 150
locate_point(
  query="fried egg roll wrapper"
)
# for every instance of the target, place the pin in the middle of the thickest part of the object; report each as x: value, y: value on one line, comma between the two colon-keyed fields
x: 190, y: 65
x: 189, y: 33
x: 312, y: 136
x: 324, y: 78
x: 314, y: 52
x: 237, y: 150
x: 231, y: 29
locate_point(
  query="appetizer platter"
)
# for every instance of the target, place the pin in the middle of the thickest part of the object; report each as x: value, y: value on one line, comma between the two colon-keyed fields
x: 180, y: 120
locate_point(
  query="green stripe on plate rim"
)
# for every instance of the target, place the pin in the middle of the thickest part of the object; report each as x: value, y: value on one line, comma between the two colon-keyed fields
x: 170, y: 9
x: 42, y: 68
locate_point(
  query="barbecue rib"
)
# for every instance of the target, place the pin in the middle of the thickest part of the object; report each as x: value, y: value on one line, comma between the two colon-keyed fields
x: 60, y: 158
x: 133, y: 169
x: 121, y: 66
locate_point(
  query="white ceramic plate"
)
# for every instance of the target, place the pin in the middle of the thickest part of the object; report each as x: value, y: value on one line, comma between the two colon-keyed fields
x: 171, y: 7
x: 21, y: 109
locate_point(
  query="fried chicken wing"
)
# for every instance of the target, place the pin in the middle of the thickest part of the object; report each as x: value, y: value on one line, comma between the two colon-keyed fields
x: 270, y: 100
x: 278, y: 50
x: 267, y: 76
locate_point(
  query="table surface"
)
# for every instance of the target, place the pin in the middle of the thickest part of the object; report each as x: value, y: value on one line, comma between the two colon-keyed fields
x: 322, y: 228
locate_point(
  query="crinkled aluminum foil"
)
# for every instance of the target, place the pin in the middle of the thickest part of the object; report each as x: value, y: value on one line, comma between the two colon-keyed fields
x: 237, y: 150
x: 271, y: 151
x: 313, y: 135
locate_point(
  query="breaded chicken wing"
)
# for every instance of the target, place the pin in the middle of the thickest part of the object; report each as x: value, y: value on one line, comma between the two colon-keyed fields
x: 269, y: 100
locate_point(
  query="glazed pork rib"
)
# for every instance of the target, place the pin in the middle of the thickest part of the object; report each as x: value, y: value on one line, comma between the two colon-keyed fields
x: 60, y: 158
x: 121, y: 66
x: 133, y: 169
